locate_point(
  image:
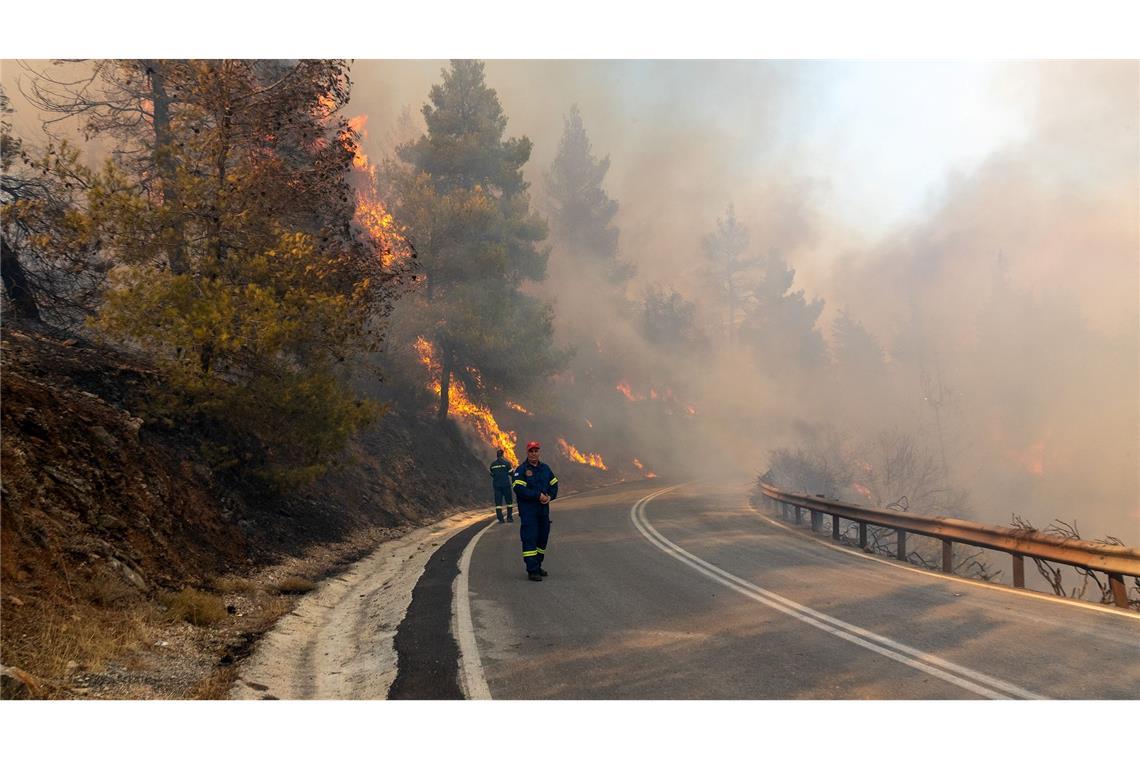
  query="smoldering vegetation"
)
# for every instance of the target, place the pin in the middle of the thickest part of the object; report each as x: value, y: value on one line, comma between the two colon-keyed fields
x: 977, y: 359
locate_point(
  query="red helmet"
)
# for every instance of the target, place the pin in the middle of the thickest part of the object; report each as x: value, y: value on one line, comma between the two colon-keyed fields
x: 532, y: 445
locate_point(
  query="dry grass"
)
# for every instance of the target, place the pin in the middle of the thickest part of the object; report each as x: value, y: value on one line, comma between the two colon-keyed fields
x: 194, y: 606
x: 295, y: 585
x: 88, y: 637
x: 217, y: 685
x: 233, y: 585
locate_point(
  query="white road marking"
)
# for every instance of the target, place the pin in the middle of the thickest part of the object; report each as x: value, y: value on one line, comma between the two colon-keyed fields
x: 963, y: 677
x: 474, y: 682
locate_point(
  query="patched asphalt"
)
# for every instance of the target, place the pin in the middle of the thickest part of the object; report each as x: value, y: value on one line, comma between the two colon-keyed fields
x: 427, y: 653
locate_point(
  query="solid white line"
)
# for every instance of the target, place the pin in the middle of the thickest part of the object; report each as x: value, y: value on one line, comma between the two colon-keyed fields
x: 887, y: 647
x: 474, y: 682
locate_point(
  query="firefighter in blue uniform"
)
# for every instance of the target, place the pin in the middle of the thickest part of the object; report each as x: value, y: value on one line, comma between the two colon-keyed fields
x: 535, y: 487
x: 501, y: 482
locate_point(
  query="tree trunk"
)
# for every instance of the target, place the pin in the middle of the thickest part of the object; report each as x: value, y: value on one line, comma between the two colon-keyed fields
x: 164, y: 160
x: 731, y: 310
x: 16, y: 284
x: 444, y: 387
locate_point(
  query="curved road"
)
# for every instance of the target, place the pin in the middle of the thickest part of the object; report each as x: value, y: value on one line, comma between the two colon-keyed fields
x: 689, y: 592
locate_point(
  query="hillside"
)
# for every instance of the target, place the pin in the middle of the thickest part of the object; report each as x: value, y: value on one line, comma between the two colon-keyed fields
x: 129, y: 568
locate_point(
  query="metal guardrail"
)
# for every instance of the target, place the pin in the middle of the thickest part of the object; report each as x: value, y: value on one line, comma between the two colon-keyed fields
x: 1114, y: 561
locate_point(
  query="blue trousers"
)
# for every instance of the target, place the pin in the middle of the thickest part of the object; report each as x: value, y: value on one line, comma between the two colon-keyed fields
x: 534, y: 531
x: 502, y: 495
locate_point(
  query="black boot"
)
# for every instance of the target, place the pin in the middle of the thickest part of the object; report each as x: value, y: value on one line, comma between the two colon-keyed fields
x: 510, y: 515
x: 534, y: 576
x: 499, y: 513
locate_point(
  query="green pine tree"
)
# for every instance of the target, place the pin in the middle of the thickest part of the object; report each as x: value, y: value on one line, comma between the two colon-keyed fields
x: 462, y: 197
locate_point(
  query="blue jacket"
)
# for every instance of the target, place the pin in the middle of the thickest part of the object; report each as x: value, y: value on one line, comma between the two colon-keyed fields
x: 529, y: 482
x: 501, y: 473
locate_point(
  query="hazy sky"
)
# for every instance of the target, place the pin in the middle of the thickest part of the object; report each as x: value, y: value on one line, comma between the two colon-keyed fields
x: 878, y: 138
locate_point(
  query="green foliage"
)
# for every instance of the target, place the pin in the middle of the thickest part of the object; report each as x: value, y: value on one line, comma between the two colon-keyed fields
x: 238, y: 265
x: 249, y: 350
x: 667, y: 320
x: 780, y: 325
x: 461, y: 194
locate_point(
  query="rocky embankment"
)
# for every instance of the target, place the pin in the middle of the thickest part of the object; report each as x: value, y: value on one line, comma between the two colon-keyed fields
x: 128, y: 569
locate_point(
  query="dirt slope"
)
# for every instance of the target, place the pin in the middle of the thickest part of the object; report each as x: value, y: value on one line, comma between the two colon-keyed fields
x: 105, y: 516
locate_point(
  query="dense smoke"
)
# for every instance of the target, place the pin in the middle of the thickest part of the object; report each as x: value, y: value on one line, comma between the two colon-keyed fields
x: 1005, y: 305
x: 992, y: 324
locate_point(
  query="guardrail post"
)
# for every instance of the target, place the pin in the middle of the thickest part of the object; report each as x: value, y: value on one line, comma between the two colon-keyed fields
x: 902, y: 544
x: 799, y: 516
x: 1018, y: 570
x: 816, y: 519
x: 835, y: 527
x: 1119, y: 592
x: 947, y: 556
x: 862, y: 535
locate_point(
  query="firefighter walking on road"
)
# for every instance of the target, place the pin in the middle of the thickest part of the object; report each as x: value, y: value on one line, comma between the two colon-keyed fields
x: 535, y: 487
x: 501, y: 482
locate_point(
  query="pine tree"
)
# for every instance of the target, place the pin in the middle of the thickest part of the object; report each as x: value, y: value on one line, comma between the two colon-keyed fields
x: 857, y: 353
x: 667, y: 320
x: 726, y: 248
x: 581, y: 212
x: 779, y: 324
x: 462, y: 196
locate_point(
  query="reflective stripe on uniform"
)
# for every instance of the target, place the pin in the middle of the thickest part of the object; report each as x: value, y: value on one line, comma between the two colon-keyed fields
x: 553, y: 481
x: 531, y: 553
x: 520, y: 483
x: 541, y: 551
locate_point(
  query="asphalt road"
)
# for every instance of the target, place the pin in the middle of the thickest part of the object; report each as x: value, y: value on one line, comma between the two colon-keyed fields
x: 695, y: 594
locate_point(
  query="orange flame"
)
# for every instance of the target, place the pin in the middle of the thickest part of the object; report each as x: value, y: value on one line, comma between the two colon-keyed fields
x: 358, y: 124
x: 571, y: 453
x: 477, y: 416
x: 863, y: 491
x: 589, y: 424
x: 371, y: 213
x: 648, y: 473
x: 626, y: 391
x: 519, y: 408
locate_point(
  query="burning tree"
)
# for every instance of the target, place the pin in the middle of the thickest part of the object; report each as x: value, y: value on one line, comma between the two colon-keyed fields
x: 228, y: 212
x: 461, y: 194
